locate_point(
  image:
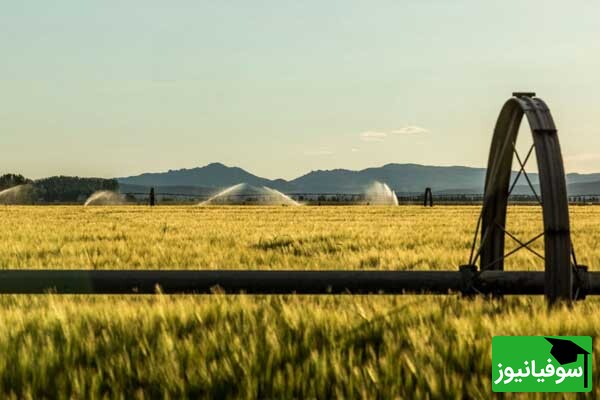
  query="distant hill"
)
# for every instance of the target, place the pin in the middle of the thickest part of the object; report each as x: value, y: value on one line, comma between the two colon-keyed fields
x: 179, y: 190
x: 403, y: 178
x: 574, y: 189
x: 215, y: 175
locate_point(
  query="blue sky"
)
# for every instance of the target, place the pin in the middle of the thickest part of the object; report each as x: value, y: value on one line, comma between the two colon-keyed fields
x: 116, y: 88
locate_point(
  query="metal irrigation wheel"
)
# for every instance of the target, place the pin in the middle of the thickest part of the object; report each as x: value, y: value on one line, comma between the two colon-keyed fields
x: 557, y: 240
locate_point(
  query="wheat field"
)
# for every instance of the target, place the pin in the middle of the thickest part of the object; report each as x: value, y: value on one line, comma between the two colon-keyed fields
x: 244, y: 346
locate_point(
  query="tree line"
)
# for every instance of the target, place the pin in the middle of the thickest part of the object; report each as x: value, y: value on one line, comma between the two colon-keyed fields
x: 60, y: 189
x: 10, y: 180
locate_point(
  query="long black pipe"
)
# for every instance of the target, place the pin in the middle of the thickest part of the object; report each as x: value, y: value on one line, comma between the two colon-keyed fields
x: 273, y: 282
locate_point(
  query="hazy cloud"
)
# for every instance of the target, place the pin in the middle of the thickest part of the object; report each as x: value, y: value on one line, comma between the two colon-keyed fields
x: 410, y: 130
x: 373, y: 136
x: 379, y: 136
x: 354, y: 150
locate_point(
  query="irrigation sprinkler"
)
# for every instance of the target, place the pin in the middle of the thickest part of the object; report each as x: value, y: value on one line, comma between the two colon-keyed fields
x: 562, y: 280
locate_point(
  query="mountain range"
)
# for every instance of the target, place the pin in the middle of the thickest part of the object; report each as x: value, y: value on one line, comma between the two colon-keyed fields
x: 403, y: 178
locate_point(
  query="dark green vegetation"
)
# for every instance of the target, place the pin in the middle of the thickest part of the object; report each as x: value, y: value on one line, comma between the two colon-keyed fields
x: 59, y: 189
x: 71, y: 189
x: 10, y: 180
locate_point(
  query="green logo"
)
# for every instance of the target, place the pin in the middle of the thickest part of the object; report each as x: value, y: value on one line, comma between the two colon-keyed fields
x: 542, y: 363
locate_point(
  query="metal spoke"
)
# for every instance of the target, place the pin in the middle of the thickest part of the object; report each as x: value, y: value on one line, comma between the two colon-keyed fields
x: 475, y: 237
x: 526, y: 176
x: 574, y: 265
x: 510, y: 253
x: 513, y: 237
x: 521, y: 170
x: 483, y: 240
x: 573, y: 255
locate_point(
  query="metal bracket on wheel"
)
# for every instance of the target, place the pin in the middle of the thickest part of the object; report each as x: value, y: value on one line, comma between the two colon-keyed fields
x: 468, y: 275
x: 524, y: 94
x: 581, y: 282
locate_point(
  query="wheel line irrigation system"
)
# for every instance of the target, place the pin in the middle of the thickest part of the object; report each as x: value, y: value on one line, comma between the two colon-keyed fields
x: 563, y: 280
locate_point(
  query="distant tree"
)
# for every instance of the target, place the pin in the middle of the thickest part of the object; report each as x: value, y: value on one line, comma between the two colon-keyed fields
x: 10, y: 180
x: 66, y: 189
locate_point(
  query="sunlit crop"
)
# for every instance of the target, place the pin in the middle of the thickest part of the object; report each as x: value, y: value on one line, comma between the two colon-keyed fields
x: 266, y: 346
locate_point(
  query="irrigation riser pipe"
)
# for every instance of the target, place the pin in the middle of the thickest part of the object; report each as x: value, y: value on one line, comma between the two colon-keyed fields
x: 466, y: 281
